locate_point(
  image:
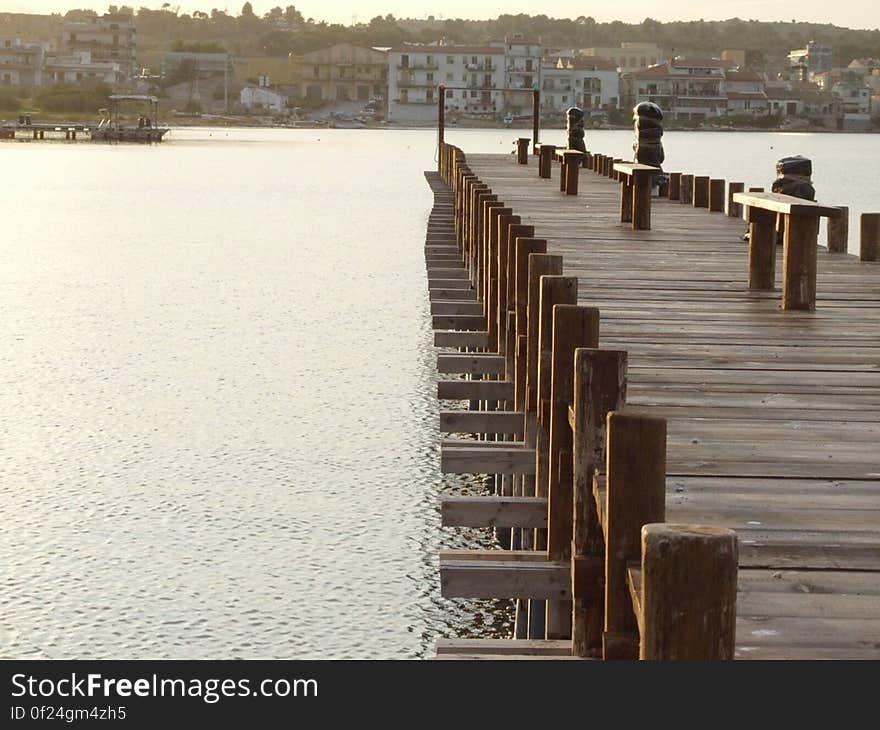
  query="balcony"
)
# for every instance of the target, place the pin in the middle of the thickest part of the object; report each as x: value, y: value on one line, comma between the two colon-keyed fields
x: 479, y: 67
x: 481, y: 85
x: 414, y: 84
x: 422, y: 66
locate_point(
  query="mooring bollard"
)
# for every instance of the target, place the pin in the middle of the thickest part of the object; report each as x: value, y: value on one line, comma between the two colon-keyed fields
x: 688, y: 597
x: 635, y: 495
x: 869, y: 244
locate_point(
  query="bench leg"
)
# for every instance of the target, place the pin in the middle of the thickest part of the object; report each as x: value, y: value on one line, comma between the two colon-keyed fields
x: 563, y: 175
x: 641, y: 217
x: 762, y: 249
x: 799, y: 262
x: 572, y: 175
x: 626, y: 200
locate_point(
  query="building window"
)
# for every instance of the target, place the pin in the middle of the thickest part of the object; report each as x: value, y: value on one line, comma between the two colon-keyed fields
x: 430, y: 60
x: 450, y: 77
x: 450, y: 94
x: 430, y: 78
x: 450, y: 60
x: 473, y: 95
x: 565, y: 100
x: 429, y: 95
x: 404, y: 60
x: 315, y: 72
x: 528, y: 64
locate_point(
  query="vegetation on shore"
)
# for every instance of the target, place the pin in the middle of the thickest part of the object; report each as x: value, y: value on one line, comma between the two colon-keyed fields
x: 284, y: 30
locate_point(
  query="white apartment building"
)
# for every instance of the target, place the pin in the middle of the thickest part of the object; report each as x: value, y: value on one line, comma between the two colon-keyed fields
x: 522, y: 71
x: 21, y: 64
x: 588, y: 83
x: 475, y: 75
x: 109, y: 39
x: 78, y: 67
x: 689, y: 89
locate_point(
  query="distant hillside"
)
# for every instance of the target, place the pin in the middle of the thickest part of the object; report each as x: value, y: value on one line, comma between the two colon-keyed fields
x: 284, y: 31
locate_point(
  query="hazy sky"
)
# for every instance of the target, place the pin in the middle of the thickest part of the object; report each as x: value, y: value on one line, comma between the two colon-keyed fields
x: 851, y: 13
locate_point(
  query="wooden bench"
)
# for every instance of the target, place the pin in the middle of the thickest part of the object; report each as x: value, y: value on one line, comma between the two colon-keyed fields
x: 545, y: 158
x: 635, y: 193
x: 801, y: 220
x: 572, y: 161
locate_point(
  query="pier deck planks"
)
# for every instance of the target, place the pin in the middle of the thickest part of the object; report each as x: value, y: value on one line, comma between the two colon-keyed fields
x: 773, y: 417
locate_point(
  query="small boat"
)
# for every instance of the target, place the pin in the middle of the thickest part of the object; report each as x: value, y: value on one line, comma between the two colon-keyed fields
x: 111, y: 129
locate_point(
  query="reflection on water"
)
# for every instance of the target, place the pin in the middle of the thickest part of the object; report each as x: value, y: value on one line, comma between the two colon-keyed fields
x: 218, y: 424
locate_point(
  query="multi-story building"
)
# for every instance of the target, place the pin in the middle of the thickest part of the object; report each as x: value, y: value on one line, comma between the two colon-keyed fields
x: 344, y: 72
x: 629, y: 57
x: 522, y: 71
x: 21, y: 64
x: 475, y: 76
x: 589, y: 83
x: 814, y: 58
x: 282, y: 71
x: 109, y: 39
x: 202, y: 65
x: 78, y: 67
x: 685, y: 88
x: 745, y: 93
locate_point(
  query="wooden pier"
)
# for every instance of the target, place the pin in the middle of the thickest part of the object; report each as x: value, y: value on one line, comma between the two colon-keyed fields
x: 684, y: 436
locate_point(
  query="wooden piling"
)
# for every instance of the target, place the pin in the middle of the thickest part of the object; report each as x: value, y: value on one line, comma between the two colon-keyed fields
x: 716, y: 195
x: 635, y: 495
x: 522, y: 150
x: 701, y: 191
x: 734, y: 210
x: 838, y: 232
x: 686, y: 192
x: 688, y: 599
x: 674, y: 189
x: 869, y: 241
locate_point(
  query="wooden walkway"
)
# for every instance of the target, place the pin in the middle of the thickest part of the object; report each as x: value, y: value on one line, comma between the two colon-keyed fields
x: 773, y: 417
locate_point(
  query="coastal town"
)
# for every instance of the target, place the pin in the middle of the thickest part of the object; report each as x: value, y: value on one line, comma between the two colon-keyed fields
x: 485, y: 84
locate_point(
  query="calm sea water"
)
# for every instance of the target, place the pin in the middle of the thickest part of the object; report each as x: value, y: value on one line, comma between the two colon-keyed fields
x: 218, y: 424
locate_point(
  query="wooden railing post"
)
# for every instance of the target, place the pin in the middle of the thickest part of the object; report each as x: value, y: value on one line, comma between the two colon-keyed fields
x: 573, y: 327
x: 716, y: 195
x: 869, y: 243
x: 688, y: 597
x: 507, y: 296
x: 599, y: 388
x: 838, y: 232
x: 635, y: 495
x: 701, y: 191
x: 734, y: 210
x: 799, y: 261
x: 762, y: 248
x: 524, y: 247
x: 553, y: 290
x: 498, y: 309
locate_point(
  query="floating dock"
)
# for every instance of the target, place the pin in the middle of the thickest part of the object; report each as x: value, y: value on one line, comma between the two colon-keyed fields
x: 683, y: 436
